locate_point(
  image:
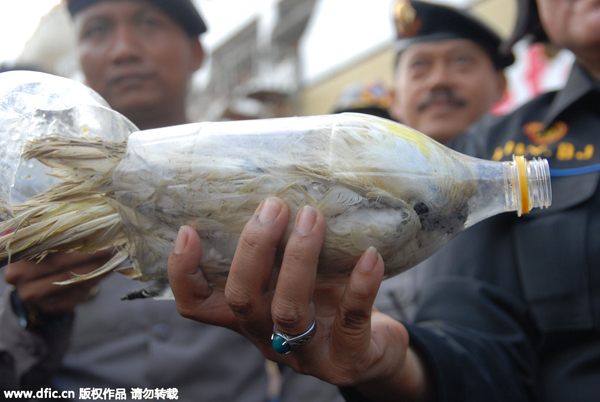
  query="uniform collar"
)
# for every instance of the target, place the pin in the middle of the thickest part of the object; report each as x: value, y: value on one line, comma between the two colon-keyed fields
x: 578, y: 85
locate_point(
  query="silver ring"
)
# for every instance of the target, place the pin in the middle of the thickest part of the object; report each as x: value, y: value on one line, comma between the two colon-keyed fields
x: 284, y: 343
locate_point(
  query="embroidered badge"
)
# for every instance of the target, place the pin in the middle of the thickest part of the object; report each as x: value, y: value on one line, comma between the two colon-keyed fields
x: 537, y: 135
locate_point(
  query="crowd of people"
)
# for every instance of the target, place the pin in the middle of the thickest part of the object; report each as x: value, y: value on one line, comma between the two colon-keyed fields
x: 507, y: 311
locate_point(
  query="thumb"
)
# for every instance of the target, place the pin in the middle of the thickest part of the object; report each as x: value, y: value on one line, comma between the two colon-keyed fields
x: 185, y: 277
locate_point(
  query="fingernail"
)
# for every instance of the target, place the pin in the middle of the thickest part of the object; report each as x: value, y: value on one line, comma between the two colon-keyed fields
x: 181, y: 241
x: 306, y: 220
x: 269, y: 211
x: 369, y: 260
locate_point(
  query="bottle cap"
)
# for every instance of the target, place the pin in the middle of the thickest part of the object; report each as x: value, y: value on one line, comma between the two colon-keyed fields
x: 523, y: 187
x: 534, y: 186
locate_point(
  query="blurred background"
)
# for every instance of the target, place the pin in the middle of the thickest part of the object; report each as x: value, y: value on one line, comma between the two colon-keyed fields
x: 274, y: 58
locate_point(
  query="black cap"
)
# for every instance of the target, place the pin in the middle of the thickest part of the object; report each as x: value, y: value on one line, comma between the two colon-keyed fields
x: 419, y: 22
x: 182, y: 11
x: 528, y: 24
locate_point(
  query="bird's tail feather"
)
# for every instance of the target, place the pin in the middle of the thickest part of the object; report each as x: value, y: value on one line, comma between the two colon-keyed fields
x: 74, y: 215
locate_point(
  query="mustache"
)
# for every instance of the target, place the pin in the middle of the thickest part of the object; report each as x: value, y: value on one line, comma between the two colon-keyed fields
x: 446, y: 94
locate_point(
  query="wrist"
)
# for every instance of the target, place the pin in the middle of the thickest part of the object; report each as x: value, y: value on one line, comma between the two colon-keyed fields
x: 33, y: 319
x: 408, y: 382
x: 416, y: 376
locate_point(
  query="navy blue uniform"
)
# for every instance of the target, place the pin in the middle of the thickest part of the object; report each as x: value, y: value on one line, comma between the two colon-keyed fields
x: 512, y: 311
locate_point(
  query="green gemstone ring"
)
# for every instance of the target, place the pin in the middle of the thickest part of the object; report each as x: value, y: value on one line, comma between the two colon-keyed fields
x: 284, y: 343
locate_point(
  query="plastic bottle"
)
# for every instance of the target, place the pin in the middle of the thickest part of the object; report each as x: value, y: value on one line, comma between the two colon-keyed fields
x: 377, y: 182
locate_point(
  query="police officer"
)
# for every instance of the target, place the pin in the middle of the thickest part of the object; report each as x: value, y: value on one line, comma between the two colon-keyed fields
x: 140, y: 56
x: 529, y: 287
x: 449, y: 69
x: 449, y: 73
x: 513, y: 313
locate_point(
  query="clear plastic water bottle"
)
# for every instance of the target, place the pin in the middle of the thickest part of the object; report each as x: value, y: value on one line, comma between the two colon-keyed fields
x: 378, y: 183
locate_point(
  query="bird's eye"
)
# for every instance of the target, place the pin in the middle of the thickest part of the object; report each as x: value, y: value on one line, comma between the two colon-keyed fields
x: 421, y: 208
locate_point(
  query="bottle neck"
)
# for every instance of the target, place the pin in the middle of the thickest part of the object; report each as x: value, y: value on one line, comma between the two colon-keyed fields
x: 532, y: 188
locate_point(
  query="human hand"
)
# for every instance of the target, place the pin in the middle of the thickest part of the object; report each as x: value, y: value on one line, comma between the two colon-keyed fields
x: 353, y: 345
x: 34, y: 282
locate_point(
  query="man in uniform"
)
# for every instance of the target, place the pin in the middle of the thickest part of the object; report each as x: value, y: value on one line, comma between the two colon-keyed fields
x: 140, y: 56
x: 513, y: 313
x: 449, y: 73
x: 449, y: 69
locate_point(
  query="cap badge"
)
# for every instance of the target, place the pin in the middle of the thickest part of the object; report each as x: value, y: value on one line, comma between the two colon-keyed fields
x: 406, y: 19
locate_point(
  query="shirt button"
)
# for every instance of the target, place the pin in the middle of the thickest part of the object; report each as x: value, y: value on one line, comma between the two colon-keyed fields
x: 161, y: 332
